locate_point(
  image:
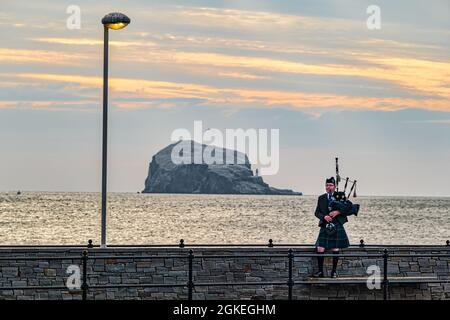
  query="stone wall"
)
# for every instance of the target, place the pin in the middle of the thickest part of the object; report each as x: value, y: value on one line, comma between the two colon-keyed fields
x: 131, y: 271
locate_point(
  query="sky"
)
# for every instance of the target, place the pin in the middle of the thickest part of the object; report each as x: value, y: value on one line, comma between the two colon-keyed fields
x: 378, y: 99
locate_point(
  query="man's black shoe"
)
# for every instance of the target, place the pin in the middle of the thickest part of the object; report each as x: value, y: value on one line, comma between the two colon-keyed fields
x: 333, y: 274
x: 318, y: 274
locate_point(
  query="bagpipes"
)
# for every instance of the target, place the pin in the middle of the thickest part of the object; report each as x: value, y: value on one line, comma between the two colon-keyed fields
x: 341, y: 202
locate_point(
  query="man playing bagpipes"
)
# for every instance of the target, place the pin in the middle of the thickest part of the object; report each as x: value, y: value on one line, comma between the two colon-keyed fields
x: 332, y: 211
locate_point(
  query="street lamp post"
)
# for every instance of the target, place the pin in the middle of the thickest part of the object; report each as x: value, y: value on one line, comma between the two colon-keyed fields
x: 113, y: 21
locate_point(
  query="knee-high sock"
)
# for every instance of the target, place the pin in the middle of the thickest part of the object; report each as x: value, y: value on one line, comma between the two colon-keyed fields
x: 320, y: 261
x: 335, y: 260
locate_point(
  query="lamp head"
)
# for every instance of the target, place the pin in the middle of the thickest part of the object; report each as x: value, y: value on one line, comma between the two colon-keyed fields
x: 115, y: 20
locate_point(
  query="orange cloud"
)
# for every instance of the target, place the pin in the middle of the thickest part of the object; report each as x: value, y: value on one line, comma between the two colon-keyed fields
x: 240, y: 96
x: 94, y: 42
x: 41, y: 56
x: 428, y: 77
x: 7, y: 104
x: 417, y: 75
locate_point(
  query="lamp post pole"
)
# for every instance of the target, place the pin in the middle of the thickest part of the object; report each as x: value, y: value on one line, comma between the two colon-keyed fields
x: 113, y: 21
x: 105, y: 134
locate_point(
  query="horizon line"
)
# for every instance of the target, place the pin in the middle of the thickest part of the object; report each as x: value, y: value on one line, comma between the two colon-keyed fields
x: 225, y: 194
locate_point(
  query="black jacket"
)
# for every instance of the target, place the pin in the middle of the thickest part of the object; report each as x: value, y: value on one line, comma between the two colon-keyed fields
x: 322, y: 210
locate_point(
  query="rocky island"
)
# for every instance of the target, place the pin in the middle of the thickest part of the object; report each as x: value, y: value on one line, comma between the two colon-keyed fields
x: 165, y: 176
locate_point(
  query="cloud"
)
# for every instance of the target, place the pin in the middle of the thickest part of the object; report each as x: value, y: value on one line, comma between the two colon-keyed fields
x: 253, y: 19
x: 238, y: 57
x: 211, y: 95
x: 427, y: 77
x: 424, y: 76
x: 92, y: 42
x: 438, y: 121
x: 42, y: 56
x: 50, y: 105
x: 241, y: 75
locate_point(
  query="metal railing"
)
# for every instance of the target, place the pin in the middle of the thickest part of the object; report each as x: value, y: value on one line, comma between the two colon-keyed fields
x: 190, y: 284
x: 182, y: 244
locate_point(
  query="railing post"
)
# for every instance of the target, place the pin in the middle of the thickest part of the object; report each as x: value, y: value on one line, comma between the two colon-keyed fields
x: 90, y: 245
x: 190, y: 283
x: 447, y: 243
x: 290, y: 281
x: 270, y: 243
x: 181, y: 245
x: 361, y: 243
x: 385, y: 275
x: 84, y: 285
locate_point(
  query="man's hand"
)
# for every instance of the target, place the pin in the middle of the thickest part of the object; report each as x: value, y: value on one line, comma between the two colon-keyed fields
x: 334, y: 213
x: 328, y: 218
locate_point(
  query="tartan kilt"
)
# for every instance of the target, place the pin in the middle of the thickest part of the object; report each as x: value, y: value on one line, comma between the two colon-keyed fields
x: 337, y: 240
